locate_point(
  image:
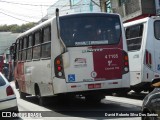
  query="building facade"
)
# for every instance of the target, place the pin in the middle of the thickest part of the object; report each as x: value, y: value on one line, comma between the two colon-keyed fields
x: 74, y: 6
x: 135, y: 9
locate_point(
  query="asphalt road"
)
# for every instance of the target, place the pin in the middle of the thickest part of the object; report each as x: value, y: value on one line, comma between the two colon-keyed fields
x: 110, y: 108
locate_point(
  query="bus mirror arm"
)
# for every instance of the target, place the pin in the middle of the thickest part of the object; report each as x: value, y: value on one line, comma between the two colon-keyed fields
x: 58, y: 29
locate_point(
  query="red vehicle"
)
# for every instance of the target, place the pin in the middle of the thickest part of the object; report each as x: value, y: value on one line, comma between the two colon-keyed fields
x: 1, y: 63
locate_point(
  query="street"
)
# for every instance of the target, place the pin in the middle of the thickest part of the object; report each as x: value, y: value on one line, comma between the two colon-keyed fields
x: 79, y: 109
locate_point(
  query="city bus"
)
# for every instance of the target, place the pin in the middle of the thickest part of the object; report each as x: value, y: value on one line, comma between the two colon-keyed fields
x: 143, y: 41
x: 78, y: 54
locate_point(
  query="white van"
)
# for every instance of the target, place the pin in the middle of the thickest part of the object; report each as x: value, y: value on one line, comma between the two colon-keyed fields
x: 143, y: 42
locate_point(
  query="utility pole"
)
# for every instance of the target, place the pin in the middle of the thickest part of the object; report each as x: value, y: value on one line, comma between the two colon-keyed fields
x: 103, y: 5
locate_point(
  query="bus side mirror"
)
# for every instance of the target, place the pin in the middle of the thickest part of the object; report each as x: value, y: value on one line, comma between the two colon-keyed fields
x: 156, y: 82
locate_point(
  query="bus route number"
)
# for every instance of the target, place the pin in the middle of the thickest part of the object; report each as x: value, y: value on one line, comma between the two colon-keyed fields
x: 113, y: 56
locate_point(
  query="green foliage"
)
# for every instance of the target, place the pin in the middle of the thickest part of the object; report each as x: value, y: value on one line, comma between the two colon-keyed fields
x: 16, y: 28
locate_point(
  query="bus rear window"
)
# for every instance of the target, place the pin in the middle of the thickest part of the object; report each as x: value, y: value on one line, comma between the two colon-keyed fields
x: 157, y: 29
x: 87, y: 30
x: 134, y: 37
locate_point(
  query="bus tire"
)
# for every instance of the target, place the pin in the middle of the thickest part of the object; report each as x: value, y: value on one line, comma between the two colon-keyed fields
x: 38, y: 95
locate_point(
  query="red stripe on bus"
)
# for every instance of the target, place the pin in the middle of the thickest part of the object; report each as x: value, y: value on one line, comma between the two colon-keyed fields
x: 108, y: 68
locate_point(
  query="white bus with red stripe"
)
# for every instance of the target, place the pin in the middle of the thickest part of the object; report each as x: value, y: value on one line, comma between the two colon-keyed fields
x: 78, y: 54
x: 143, y: 41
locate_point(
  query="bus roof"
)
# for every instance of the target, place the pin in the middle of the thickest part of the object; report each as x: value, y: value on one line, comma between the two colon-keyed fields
x: 136, y: 22
x: 140, y: 21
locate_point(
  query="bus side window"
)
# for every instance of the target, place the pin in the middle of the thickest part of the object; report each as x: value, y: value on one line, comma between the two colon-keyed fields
x: 17, y: 49
x: 30, y: 41
x: 46, y: 45
x: 37, y: 37
x: 29, y: 47
x: 20, y: 49
x: 157, y: 29
x: 37, y: 45
x: 46, y: 34
x: 25, y: 39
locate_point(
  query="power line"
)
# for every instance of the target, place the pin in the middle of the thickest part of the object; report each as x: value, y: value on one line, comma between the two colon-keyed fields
x: 14, y: 17
x: 22, y: 3
x: 34, y: 17
x: 77, y: 4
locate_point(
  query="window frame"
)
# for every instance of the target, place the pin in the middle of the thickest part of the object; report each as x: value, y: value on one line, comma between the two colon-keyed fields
x: 17, y: 49
x: 155, y: 29
x: 71, y: 41
x: 43, y: 29
x: 140, y: 36
x: 30, y: 43
x: 34, y: 38
x: 30, y: 35
x: 25, y: 42
x: 44, y: 58
x: 28, y: 60
x: 46, y: 42
x: 22, y: 52
x: 36, y: 44
x: 35, y: 59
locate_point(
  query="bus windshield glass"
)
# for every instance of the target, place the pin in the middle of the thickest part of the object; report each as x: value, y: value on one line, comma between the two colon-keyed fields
x: 84, y: 30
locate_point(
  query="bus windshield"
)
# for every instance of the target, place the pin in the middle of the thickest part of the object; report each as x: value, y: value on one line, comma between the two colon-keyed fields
x: 84, y: 30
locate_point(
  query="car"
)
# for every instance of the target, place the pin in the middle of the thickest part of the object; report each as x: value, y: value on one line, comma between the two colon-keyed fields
x: 8, y: 100
x: 151, y: 103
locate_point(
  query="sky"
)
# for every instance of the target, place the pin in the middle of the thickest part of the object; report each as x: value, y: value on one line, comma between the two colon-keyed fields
x: 15, y: 12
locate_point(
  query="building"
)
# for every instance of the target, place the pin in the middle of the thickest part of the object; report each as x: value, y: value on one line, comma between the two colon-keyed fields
x: 74, y: 6
x: 135, y: 9
x: 77, y: 6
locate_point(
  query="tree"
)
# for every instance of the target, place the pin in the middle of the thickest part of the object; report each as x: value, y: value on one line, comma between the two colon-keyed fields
x: 16, y: 28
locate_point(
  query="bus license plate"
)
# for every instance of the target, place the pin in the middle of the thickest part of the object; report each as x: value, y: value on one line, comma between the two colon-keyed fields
x: 92, y: 86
